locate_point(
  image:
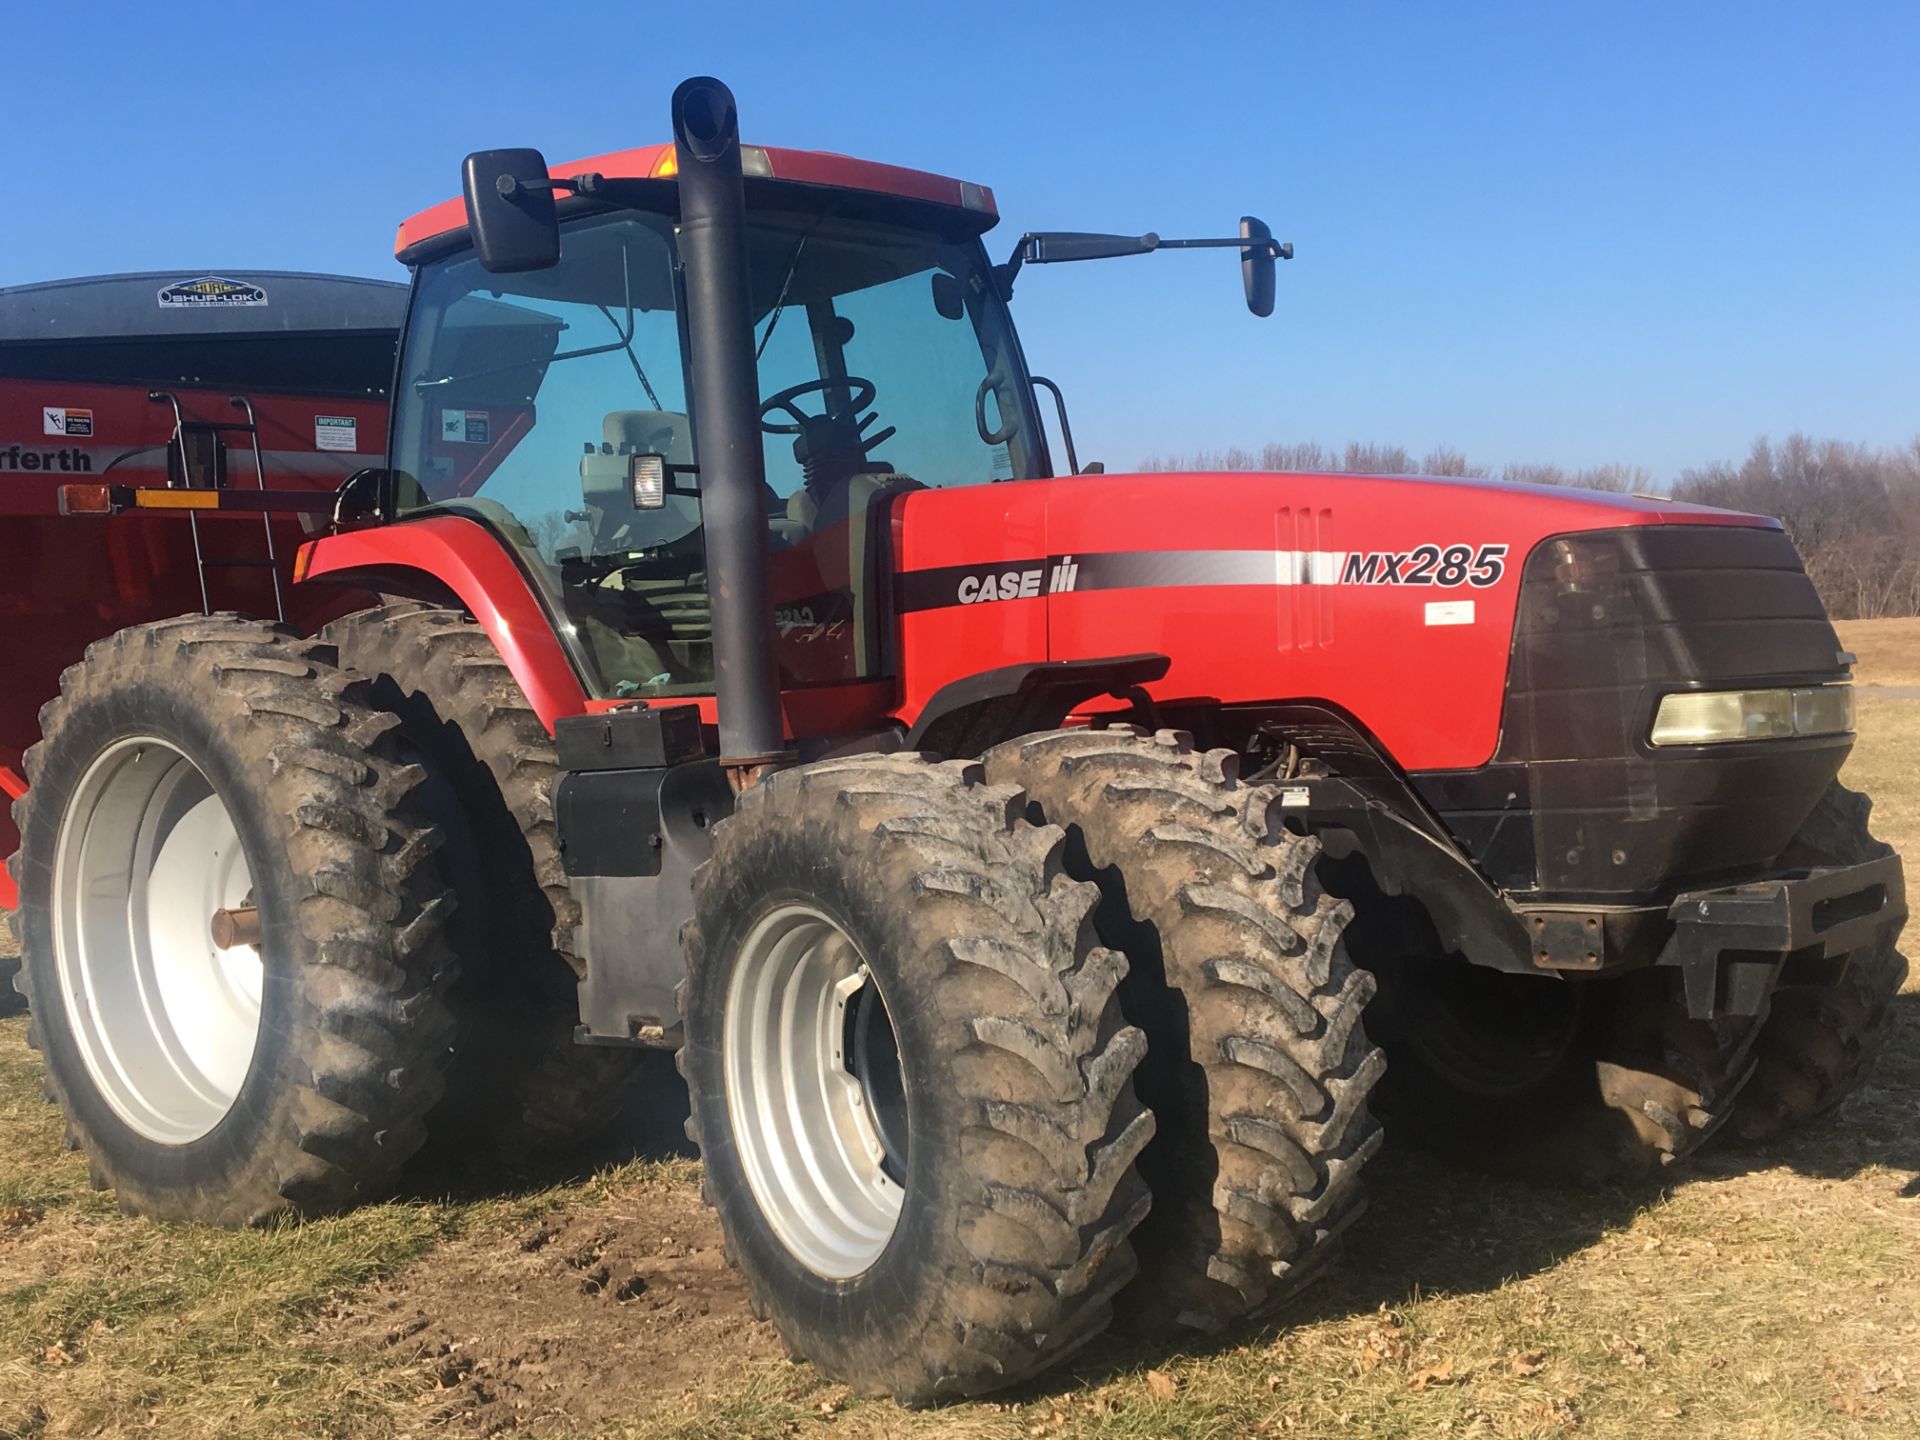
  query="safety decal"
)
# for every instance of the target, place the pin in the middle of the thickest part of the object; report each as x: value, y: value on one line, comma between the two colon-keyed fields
x: 65, y: 420
x: 465, y: 427
x: 1425, y: 565
x: 336, y: 432
x: 1449, y: 612
x: 210, y: 291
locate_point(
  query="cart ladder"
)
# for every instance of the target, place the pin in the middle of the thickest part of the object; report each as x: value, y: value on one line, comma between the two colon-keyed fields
x: 177, y: 443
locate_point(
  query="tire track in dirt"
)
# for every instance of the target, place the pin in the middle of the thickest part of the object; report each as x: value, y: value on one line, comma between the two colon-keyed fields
x: 589, y: 1315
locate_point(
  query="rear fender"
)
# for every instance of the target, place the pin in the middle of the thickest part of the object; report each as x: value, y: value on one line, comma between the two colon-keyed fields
x: 455, y: 561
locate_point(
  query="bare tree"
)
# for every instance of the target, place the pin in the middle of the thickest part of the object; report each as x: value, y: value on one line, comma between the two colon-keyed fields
x: 1853, y: 512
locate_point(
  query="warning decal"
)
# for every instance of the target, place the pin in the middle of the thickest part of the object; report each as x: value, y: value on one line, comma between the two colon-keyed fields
x: 210, y: 290
x: 336, y: 432
x: 64, y: 420
x: 468, y: 427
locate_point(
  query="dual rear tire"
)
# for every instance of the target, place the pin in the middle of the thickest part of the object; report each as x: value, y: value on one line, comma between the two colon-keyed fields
x: 518, y: 1086
x: 218, y: 764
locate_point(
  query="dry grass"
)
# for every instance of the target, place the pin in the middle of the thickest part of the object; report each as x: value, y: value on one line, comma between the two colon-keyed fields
x: 1761, y: 1296
x: 1888, y: 650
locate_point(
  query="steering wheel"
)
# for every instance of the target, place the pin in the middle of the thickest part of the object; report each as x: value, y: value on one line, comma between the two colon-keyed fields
x: 862, y: 392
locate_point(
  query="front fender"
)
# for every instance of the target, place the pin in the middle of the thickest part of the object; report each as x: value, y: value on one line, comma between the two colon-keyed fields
x: 458, y: 559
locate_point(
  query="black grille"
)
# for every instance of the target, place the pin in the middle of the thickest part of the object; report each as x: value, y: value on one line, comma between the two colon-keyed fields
x: 1577, y: 802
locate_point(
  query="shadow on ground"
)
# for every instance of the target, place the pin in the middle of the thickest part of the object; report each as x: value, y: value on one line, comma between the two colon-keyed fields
x: 1431, y: 1228
x: 651, y: 1126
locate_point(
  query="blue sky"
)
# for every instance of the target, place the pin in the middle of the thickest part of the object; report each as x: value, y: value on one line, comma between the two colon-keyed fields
x: 1580, y: 232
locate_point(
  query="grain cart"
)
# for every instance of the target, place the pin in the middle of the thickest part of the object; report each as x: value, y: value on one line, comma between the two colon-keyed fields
x: 209, y: 388
x: 1009, y: 851
x: 241, y: 379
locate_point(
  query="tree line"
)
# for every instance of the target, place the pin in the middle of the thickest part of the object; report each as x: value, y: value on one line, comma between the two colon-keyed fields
x: 1853, y: 511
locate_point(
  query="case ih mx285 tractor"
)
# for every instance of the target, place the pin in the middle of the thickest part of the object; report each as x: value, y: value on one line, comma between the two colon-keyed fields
x: 1011, y: 855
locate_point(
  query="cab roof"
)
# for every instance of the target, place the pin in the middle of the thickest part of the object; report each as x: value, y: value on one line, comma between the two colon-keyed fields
x: 806, y: 167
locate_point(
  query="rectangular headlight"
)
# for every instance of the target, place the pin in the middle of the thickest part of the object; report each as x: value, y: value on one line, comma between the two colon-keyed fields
x: 1721, y: 717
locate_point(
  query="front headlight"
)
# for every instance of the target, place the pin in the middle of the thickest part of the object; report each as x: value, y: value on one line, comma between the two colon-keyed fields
x: 1721, y: 717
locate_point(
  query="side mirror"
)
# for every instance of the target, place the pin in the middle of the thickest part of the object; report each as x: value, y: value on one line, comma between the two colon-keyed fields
x: 949, y: 296
x: 366, y: 494
x: 1256, y: 265
x: 510, y: 210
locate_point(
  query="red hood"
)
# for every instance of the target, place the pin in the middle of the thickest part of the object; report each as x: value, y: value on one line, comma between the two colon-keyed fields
x: 1363, y: 591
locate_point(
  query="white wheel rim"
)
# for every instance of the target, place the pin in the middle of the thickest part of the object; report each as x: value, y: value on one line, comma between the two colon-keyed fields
x: 165, y: 1021
x: 804, y: 1125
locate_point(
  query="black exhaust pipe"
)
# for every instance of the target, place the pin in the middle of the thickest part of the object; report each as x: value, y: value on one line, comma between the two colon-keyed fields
x: 726, y: 426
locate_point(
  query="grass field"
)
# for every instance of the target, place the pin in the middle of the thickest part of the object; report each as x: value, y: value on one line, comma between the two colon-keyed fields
x: 1757, y: 1295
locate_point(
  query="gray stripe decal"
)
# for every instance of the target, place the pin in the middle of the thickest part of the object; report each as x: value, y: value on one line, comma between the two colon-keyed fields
x: 942, y: 586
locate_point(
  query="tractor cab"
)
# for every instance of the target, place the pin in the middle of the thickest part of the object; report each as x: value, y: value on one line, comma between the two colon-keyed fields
x: 552, y: 406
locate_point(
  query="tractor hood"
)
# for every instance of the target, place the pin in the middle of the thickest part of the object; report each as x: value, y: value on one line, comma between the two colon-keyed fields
x: 1389, y: 598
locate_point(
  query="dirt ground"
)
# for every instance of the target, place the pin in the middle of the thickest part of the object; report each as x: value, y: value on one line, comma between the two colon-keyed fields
x: 1757, y: 1295
x: 572, y: 1320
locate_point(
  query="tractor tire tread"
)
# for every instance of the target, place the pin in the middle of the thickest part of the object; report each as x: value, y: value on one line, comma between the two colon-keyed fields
x: 1014, y: 974
x: 1820, y: 1043
x: 519, y: 1086
x: 1264, y: 1067
x: 374, y: 975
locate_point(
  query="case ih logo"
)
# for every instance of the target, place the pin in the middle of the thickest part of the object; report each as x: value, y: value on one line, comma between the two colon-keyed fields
x: 210, y: 290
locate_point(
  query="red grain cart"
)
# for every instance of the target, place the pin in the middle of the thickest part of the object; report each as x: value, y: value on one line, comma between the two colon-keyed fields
x: 152, y: 380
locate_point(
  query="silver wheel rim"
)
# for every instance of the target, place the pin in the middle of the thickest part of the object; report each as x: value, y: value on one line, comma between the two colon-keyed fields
x: 808, y: 1130
x: 165, y: 1021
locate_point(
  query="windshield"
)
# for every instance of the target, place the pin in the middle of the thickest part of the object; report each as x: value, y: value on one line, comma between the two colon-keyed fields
x: 885, y: 363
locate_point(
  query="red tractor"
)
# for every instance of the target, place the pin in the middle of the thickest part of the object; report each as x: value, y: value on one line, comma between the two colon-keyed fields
x: 1009, y: 852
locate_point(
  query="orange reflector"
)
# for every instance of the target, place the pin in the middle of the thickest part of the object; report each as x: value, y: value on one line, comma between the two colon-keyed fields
x: 754, y: 160
x: 302, y: 562
x: 86, y: 500
x: 176, y: 499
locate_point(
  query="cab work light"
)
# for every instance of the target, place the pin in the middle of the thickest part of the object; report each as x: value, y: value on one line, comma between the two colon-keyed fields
x: 1721, y: 717
x: 648, y: 475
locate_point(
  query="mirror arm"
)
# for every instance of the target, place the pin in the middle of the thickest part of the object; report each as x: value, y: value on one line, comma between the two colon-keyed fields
x: 1004, y: 274
x: 508, y: 186
x: 1278, y: 249
x: 1032, y: 250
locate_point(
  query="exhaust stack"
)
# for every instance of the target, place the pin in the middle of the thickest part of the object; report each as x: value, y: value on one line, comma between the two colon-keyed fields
x: 726, y: 426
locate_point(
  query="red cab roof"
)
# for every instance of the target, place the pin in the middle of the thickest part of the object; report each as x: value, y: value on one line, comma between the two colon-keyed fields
x: 809, y: 167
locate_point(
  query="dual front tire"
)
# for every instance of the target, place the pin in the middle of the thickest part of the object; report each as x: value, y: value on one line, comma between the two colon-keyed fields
x: 1082, y: 923
x: 911, y: 1077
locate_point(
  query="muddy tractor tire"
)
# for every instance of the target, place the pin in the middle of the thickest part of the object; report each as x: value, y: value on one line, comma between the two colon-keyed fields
x: 1529, y: 1076
x: 1258, y: 1069
x: 519, y: 1085
x: 911, y: 1078
x: 211, y: 767
x: 1819, y: 1042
